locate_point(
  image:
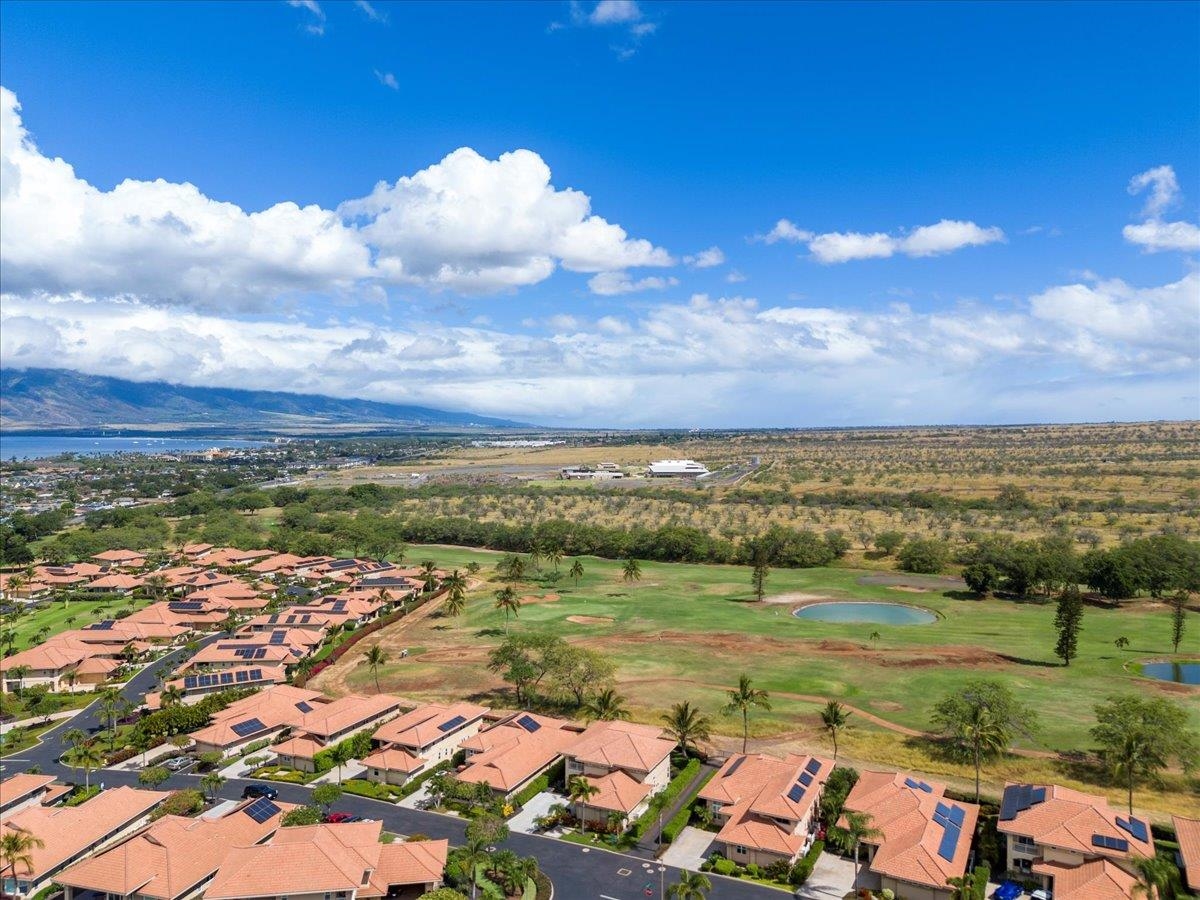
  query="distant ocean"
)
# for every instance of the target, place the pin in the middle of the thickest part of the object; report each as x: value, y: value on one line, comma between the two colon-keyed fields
x: 24, y: 446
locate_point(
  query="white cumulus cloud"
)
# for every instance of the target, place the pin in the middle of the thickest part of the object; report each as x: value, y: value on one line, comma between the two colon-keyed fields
x: 833, y: 247
x: 705, y: 259
x: 608, y: 284
x: 1155, y: 235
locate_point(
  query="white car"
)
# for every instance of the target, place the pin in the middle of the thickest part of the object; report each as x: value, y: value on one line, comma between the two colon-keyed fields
x: 1041, y: 894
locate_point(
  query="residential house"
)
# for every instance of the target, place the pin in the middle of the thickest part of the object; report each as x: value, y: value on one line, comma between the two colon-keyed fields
x: 113, y: 583
x: 327, y: 722
x: 261, y: 716
x: 22, y: 790
x: 52, y: 665
x: 173, y: 858
x: 627, y: 763
x: 321, y: 862
x: 71, y: 833
x: 924, y: 840
x: 1073, y: 842
x: 1187, y: 833
x: 768, y: 808
x: 233, y: 654
x: 124, y: 559
x: 420, y: 739
x: 511, y: 753
x: 196, y: 687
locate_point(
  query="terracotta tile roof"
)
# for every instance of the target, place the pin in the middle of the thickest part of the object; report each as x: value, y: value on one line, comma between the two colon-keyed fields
x: 618, y: 792
x: 227, y: 651
x: 1187, y: 832
x: 507, y: 755
x: 22, y: 785
x: 424, y: 725
x: 318, y: 858
x: 116, y: 583
x: 119, y: 556
x: 393, y: 760
x: 274, y: 707
x: 97, y: 665
x: 171, y: 856
x: 623, y: 745
x: 912, y: 837
x: 1097, y: 879
x: 68, y: 830
x: 1068, y: 819
x: 303, y: 746
x: 276, y: 562
x: 347, y: 712
x: 50, y: 657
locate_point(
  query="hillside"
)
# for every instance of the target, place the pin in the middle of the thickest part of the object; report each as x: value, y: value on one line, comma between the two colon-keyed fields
x: 49, y: 398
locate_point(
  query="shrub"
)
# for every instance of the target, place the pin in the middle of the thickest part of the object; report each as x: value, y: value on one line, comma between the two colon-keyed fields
x: 669, y: 793
x: 925, y: 556
x: 803, y: 868
x: 187, y: 802
x: 724, y: 867
x: 302, y: 815
x: 82, y: 795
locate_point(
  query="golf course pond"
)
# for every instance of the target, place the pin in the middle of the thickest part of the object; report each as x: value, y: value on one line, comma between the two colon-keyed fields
x: 876, y: 613
x: 1177, y: 672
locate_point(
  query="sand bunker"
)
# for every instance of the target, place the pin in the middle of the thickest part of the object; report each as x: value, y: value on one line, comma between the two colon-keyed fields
x: 909, y: 589
x: 590, y: 620
x: 545, y: 598
x: 797, y: 597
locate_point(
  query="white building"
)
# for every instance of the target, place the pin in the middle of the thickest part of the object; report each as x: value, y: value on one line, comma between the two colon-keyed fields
x: 676, y: 468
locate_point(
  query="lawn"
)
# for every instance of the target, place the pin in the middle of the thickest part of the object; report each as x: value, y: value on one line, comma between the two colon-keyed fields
x: 56, y: 616
x: 685, y: 632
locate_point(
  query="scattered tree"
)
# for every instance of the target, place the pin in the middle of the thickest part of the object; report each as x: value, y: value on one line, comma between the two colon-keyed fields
x: 1139, y: 736
x: 742, y: 699
x: 834, y: 718
x: 631, y: 570
x: 1068, y: 618
x: 376, y: 657
x: 687, y: 725
x: 981, y: 720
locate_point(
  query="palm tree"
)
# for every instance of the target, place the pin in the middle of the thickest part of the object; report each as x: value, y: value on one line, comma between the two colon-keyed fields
x: 580, y: 791
x: 376, y: 657
x: 341, y: 753
x: 474, y: 855
x: 744, y: 698
x: 172, y: 696
x: 874, y: 639
x: 111, y: 702
x: 1122, y: 642
x: 507, y: 600
x: 211, y: 783
x: 691, y: 886
x: 555, y: 555
x: 535, y: 557
x: 74, y: 737
x: 87, y: 757
x: 20, y: 673
x: 606, y: 706
x: 513, y: 568
x: 984, y: 735
x: 632, y: 570
x: 834, y: 718
x: 1157, y: 877
x: 456, y: 597
x: 576, y: 571
x: 687, y: 725
x: 962, y: 887
x: 858, y: 828
x: 16, y: 849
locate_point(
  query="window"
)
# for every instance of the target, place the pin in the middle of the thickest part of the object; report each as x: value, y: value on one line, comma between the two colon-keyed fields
x: 1024, y: 844
x: 740, y: 851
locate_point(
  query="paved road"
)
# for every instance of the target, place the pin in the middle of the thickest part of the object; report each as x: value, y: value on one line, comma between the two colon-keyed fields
x: 578, y: 873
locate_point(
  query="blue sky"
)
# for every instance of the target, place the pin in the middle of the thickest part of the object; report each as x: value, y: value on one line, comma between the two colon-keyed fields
x: 481, y: 282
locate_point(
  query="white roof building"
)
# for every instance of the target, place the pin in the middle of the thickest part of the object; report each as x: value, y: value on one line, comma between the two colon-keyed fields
x: 676, y: 468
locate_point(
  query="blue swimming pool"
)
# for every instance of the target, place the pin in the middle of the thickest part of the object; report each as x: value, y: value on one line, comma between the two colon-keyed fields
x: 1178, y: 672
x: 876, y: 613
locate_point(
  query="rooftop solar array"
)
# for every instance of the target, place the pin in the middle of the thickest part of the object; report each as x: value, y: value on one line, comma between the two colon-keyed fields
x: 529, y: 723
x: 737, y: 764
x: 1135, y: 827
x: 452, y: 723
x: 186, y: 606
x: 805, y: 779
x: 250, y: 726
x: 226, y: 678
x: 339, y: 606
x: 1018, y: 798
x: 796, y: 793
x: 918, y: 785
x: 1110, y: 843
x: 951, y: 818
x: 278, y: 637
x: 261, y: 810
x: 256, y: 674
x: 304, y: 707
x: 189, y: 681
x: 814, y: 766
x: 247, y: 652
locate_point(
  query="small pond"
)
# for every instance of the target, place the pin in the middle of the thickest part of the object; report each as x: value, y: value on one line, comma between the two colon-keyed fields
x: 876, y: 613
x: 1178, y: 672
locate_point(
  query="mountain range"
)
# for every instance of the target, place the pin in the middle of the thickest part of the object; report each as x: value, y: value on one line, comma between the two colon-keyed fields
x: 58, y: 398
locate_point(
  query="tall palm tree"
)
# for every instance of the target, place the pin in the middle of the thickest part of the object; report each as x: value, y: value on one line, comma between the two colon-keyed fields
x: 507, y: 600
x: 874, y: 639
x: 19, y: 674
x: 555, y: 555
x: 744, y: 698
x: 984, y: 736
x: 87, y: 757
x: 110, y: 706
x: 687, y: 725
x: 576, y: 571
x: 858, y: 828
x: 580, y: 791
x: 513, y: 568
x: 474, y: 855
x: 16, y: 851
x: 833, y: 719
x: 606, y: 706
x: 211, y: 783
x: 376, y: 657
x: 536, y: 554
x: 341, y: 753
x: 456, y: 596
x: 691, y: 886
x: 172, y: 696
x: 74, y: 737
x: 632, y: 570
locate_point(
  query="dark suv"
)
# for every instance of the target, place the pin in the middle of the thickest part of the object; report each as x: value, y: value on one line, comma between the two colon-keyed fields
x: 259, y: 790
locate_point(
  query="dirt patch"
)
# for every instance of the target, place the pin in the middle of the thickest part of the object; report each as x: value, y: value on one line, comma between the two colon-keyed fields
x: 590, y: 620
x: 798, y: 597
x: 533, y: 599
x: 909, y: 589
x: 926, y: 582
x: 887, y: 705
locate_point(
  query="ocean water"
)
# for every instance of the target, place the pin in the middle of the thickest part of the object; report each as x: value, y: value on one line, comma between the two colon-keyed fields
x: 24, y: 446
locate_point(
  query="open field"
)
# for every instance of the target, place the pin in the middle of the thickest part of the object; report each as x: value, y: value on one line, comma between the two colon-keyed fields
x: 685, y: 632
x: 1096, y: 483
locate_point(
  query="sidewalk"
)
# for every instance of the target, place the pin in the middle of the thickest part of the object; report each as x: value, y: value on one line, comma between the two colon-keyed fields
x: 649, y: 841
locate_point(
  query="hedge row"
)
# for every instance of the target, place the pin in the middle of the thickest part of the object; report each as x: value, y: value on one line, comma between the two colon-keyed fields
x: 370, y: 628
x: 680, y: 819
x: 539, y: 784
x: 672, y: 790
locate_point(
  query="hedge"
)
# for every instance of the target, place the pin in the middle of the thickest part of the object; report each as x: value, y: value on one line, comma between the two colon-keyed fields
x: 672, y: 790
x: 539, y: 784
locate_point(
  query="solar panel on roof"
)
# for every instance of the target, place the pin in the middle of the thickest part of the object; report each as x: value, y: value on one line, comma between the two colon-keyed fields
x: 226, y: 678
x: 529, y: 723
x: 1110, y: 843
x: 106, y: 625
x: 452, y: 723
x: 256, y: 674
x: 796, y: 793
x: 814, y: 766
x: 250, y: 726
x: 278, y: 637
x: 910, y: 783
x: 260, y: 653
x: 261, y: 810
x: 942, y: 810
x: 949, y: 842
x: 1018, y: 798
x: 189, y: 681
x: 241, y: 675
x: 958, y: 815
x: 805, y: 779
x: 737, y: 764
x: 304, y: 707
x: 1135, y: 827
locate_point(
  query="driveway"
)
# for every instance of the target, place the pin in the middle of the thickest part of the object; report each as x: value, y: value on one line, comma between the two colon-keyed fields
x: 538, y: 806
x: 832, y: 879
x: 689, y: 849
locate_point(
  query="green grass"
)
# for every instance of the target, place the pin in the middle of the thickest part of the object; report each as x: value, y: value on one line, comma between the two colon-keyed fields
x: 54, y: 617
x: 13, y: 706
x: 21, y: 739
x: 389, y: 793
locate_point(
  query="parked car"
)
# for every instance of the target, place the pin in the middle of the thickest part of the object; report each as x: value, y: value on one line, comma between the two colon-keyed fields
x: 259, y: 790
x: 338, y: 818
x: 175, y: 763
x: 1041, y: 895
